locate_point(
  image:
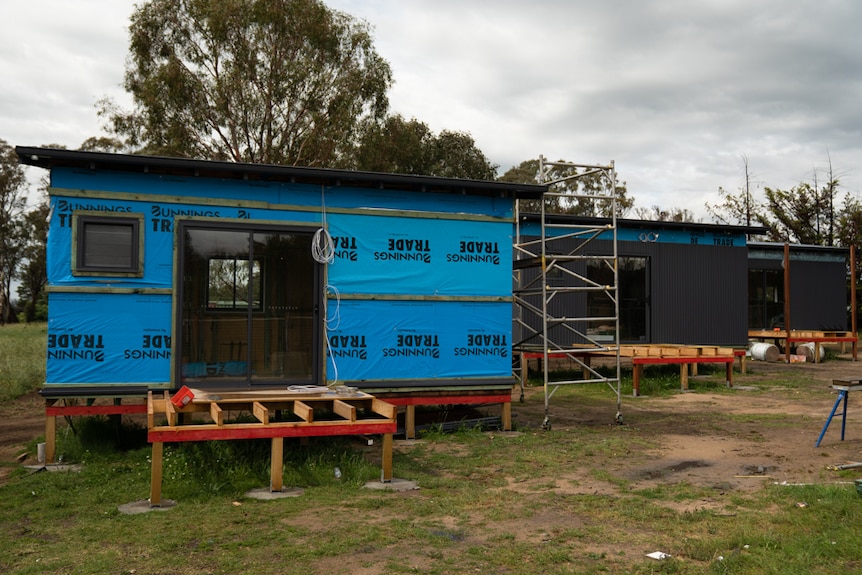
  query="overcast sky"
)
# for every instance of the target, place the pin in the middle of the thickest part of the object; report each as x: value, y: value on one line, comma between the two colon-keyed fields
x: 675, y: 92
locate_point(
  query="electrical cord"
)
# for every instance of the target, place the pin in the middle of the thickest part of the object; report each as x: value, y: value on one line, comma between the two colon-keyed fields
x: 322, y: 248
x: 332, y: 324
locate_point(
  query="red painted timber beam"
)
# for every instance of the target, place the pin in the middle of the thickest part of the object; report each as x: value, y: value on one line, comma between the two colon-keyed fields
x: 253, y: 431
x: 61, y: 410
x: 450, y: 400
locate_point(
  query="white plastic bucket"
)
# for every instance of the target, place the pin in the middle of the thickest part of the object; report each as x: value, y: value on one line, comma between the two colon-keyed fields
x: 764, y: 351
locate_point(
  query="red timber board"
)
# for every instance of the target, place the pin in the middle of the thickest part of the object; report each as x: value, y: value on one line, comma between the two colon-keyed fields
x: 450, y: 399
x: 258, y: 431
x: 61, y: 410
x: 671, y: 360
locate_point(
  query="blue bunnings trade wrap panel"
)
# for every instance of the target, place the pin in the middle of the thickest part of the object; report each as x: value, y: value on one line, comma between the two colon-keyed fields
x: 108, y: 338
x: 158, y: 228
x: 416, y: 340
x: 416, y: 256
x: 280, y: 193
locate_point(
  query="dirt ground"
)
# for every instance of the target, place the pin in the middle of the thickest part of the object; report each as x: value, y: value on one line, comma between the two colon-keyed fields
x: 21, y: 421
x: 739, y: 458
x: 772, y: 437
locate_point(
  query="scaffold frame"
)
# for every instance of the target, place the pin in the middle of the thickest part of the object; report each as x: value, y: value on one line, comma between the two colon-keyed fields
x: 561, y: 250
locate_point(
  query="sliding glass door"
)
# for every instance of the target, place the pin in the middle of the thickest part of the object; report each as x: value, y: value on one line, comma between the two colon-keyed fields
x: 633, y: 294
x: 249, y: 306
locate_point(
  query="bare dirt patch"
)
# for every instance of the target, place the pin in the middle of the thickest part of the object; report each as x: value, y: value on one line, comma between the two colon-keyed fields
x: 21, y: 421
x: 734, y: 440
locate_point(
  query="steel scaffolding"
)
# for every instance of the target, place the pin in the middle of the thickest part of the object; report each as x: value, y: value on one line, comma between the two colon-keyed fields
x: 562, y: 307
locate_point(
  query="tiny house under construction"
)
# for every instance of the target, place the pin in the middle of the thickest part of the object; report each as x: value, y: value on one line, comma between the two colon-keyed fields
x: 815, y: 287
x: 168, y: 272
x: 679, y: 283
x: 798, y: 294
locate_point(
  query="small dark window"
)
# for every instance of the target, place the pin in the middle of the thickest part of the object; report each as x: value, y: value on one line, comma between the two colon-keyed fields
x: 108, y: 245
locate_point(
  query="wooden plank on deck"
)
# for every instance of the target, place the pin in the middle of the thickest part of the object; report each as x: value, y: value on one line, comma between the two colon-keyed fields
x: 383, y: 408
x: 151, y: 411
x: 217, y: 414
x: 303, y: 411
x: 170, y: 411
x: 345, y: 410
x: 261, y: 412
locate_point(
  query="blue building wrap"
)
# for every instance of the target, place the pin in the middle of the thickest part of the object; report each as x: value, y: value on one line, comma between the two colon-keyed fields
x: 409, y: 340
x: 108, y: 338
x: 421, y: 257
x: 420, y: 287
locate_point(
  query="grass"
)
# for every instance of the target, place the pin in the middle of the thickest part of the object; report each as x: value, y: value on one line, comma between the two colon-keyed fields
x: 518, y: 503
x: 22, y: 358
x: 462, y: 520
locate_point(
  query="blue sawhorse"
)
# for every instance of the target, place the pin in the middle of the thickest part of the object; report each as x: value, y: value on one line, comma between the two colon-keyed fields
x: 844, y: 388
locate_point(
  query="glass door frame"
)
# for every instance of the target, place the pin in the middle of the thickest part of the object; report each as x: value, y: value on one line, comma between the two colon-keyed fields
x: 602, y: 299
x: 765, y: 298
x: 646, y: 300
x: 250, y: 228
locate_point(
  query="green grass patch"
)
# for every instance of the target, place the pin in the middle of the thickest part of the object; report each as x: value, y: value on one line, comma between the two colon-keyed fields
x: 557, y: 502
x: 465, y: 518
x: 22, y: 358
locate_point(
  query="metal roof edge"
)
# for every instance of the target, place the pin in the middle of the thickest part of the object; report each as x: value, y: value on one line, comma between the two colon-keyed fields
x: 48, y: 158
x: 806, y: 247
x: 629, y: 223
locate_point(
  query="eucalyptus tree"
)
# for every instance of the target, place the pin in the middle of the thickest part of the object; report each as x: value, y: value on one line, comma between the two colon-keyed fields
x: 803, y: 214
x: 261, y: 81
x: 12, y: 233
x: 33, y: 269
x: 396, y: 145
x: 585, y: 190
x: 658, y: 214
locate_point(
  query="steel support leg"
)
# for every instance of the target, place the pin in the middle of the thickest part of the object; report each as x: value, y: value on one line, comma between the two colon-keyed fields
x: 842, y: 395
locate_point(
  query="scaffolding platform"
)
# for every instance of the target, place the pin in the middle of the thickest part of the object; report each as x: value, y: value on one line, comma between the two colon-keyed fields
x: 566, y: 251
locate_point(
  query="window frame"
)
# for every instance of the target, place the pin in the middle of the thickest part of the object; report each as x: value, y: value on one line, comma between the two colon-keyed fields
x: 80, y: 220
x: 254, y: 307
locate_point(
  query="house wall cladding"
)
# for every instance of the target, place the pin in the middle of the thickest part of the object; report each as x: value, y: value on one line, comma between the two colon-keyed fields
x: 818, y: 286
x: 420, y: 284
x: 697, y: 292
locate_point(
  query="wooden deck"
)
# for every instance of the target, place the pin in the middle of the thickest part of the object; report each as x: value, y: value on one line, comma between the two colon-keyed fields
x: 806, y: 336
x: 688, y: 357
x: 277, y: 414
